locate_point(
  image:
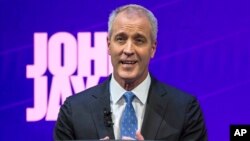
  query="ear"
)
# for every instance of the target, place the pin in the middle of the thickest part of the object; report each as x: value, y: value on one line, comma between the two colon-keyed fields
x: 153, y: 49
x: 108, y: 44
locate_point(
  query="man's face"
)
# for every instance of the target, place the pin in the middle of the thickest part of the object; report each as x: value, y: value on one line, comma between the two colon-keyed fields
x: 131, y: 47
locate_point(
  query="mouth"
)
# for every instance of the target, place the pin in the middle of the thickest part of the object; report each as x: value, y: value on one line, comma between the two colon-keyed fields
x: 128, y: 62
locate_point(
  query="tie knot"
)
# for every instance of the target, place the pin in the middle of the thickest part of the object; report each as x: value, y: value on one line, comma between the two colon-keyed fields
x: 129, y: 96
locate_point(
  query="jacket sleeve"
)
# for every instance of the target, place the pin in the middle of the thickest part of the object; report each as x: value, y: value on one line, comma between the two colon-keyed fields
x: 64, y: 129
x: 194, y: 127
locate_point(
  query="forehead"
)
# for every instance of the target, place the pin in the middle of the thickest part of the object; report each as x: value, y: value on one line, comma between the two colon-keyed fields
x: 131, y: 22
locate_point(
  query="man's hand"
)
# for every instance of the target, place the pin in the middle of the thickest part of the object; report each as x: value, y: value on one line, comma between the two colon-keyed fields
x: 106, y: 138
x: 127, y: 138
x: 138, y: 136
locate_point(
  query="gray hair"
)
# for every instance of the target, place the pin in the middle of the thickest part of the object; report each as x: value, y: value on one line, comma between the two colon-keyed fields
x: 136, y: 8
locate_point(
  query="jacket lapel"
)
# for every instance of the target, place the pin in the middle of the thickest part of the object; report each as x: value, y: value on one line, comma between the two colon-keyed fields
x: 155, y: 110
x: 100, y: 104
x: 154, y: 113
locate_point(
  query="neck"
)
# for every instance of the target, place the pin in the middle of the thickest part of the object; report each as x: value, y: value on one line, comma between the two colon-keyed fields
x: 130, y: 84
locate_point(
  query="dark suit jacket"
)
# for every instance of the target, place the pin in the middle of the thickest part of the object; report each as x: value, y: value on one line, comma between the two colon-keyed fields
x: 170, y: 115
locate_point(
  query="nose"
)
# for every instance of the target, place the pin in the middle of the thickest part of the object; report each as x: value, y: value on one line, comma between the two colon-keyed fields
x: 129, y: 49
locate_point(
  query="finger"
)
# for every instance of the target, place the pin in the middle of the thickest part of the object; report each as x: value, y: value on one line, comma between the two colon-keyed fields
x: 127, y: 138
x: 106, y: 138
x: 139, y: 136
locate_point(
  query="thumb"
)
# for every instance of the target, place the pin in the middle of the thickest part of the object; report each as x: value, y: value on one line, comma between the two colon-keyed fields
x: 106, y: 138
x: 139, y: 136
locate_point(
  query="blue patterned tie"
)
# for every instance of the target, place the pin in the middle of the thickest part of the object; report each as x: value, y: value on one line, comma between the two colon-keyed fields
x: 128, y: 120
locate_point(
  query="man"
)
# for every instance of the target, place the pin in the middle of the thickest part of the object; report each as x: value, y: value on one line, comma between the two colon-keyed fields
x: 131, y: 104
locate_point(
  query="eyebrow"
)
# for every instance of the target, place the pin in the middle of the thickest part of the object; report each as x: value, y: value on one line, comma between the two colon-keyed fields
x: 138, y: 35
x: 120, y: 34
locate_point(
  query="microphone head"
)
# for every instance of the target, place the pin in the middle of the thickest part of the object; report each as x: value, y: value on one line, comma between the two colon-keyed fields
x: 107, y: 118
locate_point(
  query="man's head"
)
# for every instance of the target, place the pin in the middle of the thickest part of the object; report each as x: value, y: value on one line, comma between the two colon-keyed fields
x: 131, y: 43
x: 134, y: 9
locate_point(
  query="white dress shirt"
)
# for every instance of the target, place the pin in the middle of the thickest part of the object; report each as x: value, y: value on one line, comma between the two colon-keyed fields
x: 118, y: 102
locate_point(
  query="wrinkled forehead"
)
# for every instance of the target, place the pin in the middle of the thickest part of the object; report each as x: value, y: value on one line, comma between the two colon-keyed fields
x: 134, y: 16
x: 131, y: 23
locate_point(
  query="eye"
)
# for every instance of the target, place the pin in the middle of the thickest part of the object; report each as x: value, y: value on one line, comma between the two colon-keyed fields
x: 140, y: 40
x: 120, y: 39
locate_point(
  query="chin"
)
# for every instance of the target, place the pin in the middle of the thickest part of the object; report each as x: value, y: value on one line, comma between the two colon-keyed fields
x: 127, y: 75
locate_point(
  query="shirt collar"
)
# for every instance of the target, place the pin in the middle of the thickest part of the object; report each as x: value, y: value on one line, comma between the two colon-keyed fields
x: 141, y: 91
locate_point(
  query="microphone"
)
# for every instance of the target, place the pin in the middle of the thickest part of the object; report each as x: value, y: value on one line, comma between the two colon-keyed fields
x: 107, y: 118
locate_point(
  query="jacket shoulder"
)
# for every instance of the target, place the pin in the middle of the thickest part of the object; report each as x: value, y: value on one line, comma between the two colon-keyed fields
x: 173, y: 93
x: 86, y: 96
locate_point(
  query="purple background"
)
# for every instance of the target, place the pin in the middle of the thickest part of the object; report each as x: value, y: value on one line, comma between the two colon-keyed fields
x: 203, y: 49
